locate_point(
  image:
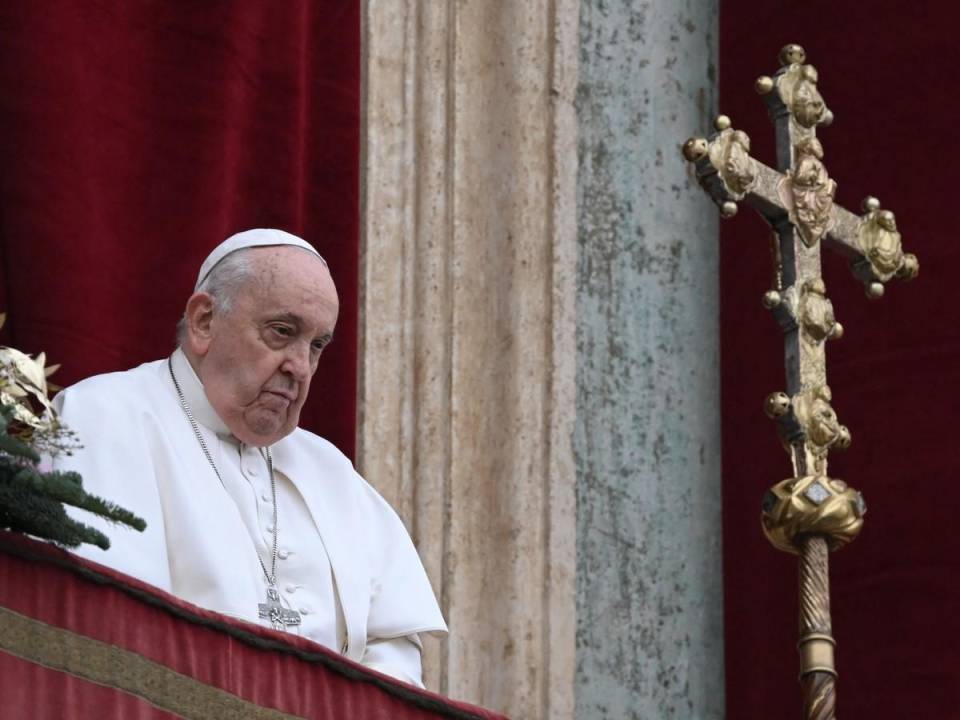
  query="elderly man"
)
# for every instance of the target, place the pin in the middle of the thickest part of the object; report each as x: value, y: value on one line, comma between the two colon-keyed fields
x: 247, y: 514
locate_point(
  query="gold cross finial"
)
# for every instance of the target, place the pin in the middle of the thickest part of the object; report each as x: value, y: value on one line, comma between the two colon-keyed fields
x: 808, y: 513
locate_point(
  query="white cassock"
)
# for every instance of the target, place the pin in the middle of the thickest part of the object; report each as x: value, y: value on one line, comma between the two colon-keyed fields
x: 344, y: 560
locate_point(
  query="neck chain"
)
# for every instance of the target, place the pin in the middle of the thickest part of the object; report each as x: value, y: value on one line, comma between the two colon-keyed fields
x: 279, y: 616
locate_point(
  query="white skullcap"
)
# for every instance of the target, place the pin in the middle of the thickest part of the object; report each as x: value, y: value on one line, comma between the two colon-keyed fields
x: 261, y: 237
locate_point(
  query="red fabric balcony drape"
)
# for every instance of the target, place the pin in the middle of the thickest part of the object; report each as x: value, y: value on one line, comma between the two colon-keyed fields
x: 135, y: 136
x: 80, y: 641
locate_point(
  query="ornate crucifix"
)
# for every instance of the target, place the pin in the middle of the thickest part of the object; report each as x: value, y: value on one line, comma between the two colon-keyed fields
x: 808, y: 514
x: 280, y: 617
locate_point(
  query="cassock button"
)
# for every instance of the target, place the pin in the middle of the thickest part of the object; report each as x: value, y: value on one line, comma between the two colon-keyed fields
x: 291, y: 589
x: 252, y: 471
x: 266, y: 497
x: 283, y: 554
x: 304, y: 610
x: 269, y: 528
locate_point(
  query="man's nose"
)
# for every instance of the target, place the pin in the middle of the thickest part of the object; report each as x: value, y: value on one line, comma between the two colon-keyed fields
x: 297, y: 361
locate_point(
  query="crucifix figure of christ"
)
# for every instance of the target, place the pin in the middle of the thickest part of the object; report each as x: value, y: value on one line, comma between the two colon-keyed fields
x: 808, y: 514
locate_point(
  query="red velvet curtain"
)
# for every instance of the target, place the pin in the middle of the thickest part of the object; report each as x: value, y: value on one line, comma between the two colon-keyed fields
x: 105, y: 646
x: 135, y: 136
x: 886, y: 71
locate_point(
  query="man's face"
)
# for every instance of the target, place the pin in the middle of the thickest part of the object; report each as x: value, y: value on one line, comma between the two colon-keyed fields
x: 256, y: 361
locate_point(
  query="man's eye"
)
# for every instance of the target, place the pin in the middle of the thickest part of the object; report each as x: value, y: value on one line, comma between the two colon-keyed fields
x: 318, y: 346
x: 282, y: 330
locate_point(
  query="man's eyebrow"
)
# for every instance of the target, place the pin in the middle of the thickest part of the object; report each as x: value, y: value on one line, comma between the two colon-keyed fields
x: 290, y: 317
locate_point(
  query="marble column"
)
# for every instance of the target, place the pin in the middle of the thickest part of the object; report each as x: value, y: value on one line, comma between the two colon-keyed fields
x: 539, y: 373
x: 647, y: 442
x: 468, y: 352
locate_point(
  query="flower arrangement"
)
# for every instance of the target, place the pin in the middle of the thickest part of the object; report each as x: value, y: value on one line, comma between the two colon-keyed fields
x: 32, y: 498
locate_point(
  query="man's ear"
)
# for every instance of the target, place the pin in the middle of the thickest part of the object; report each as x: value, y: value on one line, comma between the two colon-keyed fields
x: 199, y: 317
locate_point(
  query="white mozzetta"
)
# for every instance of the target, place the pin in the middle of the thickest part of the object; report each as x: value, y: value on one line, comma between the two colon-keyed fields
x: 348, y: 564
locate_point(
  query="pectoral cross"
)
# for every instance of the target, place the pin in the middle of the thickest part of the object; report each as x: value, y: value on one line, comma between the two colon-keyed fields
x: 809, y: 513
x: 280, y: 617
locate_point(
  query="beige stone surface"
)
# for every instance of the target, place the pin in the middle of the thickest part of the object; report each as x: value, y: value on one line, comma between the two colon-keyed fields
x: 468, y: 337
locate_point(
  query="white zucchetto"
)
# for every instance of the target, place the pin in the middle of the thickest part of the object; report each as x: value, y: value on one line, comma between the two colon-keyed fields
x: 260, y: 237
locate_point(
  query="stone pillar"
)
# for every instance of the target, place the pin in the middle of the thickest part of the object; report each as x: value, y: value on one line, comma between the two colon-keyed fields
x: 507, y: 371
x: 647, y: 443
x: 468, y: 352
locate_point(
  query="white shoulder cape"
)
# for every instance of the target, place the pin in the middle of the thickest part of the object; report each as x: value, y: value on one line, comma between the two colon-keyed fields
x: 140, y: 452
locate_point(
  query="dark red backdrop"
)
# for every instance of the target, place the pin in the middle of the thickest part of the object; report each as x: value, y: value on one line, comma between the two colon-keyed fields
x: 887, y: 72
x: 134, y: 137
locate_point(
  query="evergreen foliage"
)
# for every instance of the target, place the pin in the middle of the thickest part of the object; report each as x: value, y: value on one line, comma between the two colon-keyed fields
x: 32, y: 500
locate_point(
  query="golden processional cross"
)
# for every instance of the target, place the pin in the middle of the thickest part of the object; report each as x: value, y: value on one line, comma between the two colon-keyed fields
x: 808, y: 514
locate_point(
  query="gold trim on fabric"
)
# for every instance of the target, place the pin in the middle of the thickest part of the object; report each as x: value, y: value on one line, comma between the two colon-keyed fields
x: 123, y: 670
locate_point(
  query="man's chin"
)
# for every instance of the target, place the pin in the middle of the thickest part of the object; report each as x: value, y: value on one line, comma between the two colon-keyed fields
x: 263, y: 427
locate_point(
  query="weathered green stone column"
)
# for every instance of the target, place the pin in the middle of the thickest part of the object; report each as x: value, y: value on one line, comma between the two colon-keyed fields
x: 647, y: 439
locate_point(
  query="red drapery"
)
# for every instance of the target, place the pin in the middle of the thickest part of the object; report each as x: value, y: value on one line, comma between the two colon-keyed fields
x: 134, y: 137
x: 886, y: 72
x: 106, y: 646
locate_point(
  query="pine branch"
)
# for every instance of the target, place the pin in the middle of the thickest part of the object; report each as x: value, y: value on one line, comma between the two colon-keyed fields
x: 12, y: 446
x: 32, y: 501
x: 24, y: 511
x: 67, y: 487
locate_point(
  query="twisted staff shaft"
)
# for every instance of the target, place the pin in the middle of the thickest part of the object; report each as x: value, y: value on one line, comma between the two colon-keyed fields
x: 818, y: 678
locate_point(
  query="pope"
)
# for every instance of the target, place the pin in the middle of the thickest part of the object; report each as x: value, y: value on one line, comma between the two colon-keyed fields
x: 247, y: 514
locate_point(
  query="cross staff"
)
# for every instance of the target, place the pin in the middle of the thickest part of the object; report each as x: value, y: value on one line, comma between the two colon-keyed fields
x: 808, y: 514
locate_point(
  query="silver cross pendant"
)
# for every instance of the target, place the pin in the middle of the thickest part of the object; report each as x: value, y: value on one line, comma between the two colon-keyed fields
x: 280, y: 617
